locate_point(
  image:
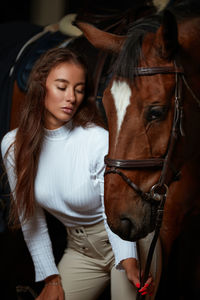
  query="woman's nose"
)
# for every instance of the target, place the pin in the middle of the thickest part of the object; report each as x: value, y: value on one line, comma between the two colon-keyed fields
x: 70, y: 95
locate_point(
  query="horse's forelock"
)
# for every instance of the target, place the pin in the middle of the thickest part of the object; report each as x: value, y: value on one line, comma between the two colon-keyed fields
x: 130, y: 54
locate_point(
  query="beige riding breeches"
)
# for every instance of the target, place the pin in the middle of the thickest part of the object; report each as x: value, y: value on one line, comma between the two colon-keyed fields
x: 87, y: 266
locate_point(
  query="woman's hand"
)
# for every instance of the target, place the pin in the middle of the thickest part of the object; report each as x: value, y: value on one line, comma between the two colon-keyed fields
x: 52, y: 289
x: 132, y: 271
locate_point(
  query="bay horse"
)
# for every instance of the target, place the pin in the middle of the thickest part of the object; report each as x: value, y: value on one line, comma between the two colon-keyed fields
x: 152, y: 105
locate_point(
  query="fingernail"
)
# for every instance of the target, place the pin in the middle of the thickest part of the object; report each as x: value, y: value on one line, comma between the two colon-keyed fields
x: 144, y: 293
x: 138, y: 285
x: 142, y: 289
x: 146, y: 284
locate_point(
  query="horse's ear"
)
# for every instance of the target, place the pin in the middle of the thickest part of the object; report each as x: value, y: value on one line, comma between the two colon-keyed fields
x: 167, y: 36
x: 100, y: 39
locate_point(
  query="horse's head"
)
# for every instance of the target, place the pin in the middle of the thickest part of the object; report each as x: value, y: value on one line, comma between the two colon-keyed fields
x: 152, y: 117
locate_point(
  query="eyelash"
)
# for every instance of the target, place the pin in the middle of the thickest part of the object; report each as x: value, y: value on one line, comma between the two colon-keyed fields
x: 78, y: 91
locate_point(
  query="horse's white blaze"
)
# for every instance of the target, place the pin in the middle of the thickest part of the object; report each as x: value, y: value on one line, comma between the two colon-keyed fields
x: 121, y: 93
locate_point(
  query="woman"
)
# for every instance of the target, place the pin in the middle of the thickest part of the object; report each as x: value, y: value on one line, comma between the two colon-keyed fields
x: 55, y: 162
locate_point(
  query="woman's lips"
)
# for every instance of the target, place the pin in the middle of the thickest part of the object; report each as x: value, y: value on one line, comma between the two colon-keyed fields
x: 67, y: 110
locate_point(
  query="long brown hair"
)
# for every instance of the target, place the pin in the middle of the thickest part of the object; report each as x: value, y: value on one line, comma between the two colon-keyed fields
x: 30, y: 133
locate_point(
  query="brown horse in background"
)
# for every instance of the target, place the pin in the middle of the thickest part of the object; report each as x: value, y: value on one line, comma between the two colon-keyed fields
x: 152, y: 105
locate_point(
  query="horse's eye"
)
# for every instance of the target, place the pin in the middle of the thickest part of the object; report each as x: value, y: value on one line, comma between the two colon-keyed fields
x: 156, y: 113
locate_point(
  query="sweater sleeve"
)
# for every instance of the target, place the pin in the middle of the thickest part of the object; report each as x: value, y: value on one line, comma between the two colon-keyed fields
x: 35, y: 230
x: 122, y: 249
x: 37, y: 238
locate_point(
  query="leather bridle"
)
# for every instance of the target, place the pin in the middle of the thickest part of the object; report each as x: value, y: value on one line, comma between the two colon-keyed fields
x: 158, y: 193
x: 114, y: 165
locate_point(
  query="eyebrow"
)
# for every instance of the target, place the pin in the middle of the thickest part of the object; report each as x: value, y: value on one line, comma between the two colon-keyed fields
x: 66, y: 81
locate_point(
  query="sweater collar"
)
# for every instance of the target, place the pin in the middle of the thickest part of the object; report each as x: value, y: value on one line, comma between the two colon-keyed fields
x: 59, y: 133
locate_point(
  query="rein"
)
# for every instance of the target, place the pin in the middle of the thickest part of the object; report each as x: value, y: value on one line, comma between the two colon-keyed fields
x: 158, y: 192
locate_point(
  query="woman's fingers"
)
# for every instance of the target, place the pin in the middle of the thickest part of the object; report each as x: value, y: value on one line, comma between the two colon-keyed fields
x: 148, y: 287
x: 132, y: 271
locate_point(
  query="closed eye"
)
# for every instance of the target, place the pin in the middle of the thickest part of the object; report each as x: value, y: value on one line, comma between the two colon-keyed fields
x: 80, y: 91
x: 61, y: 88
x: 156, y: 112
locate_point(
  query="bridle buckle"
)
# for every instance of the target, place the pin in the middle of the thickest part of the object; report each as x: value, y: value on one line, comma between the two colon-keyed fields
x: 157, y: 192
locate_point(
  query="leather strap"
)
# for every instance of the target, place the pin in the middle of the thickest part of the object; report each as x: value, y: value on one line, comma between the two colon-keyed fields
x: 134, y: 163
x: 145, y: 71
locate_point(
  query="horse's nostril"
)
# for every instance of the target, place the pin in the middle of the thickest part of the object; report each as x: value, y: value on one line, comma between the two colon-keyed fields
x: 126, y: 226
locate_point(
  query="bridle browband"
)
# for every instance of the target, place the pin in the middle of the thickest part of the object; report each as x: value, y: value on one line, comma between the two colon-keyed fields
x: 158, y: 192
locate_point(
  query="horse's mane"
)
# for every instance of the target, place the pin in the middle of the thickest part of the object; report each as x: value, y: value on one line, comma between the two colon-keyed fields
x: 130, y: 54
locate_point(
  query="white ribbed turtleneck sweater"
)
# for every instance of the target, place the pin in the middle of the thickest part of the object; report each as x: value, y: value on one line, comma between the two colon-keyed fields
x: 69, y: 185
